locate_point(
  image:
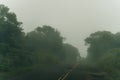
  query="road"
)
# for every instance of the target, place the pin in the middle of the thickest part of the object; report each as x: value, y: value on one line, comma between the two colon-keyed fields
x: 83, y: 72
x: 70, y: 72
x: 66, y: 74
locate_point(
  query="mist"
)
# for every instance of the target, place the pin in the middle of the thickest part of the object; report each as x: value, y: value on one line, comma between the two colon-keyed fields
x: 75, y: 19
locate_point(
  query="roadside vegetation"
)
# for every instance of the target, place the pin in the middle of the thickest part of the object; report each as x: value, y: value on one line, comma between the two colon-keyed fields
x: 42, y: 54
x: 24, y: 53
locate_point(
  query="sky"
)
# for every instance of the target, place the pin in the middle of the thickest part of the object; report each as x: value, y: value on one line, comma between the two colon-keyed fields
x: 75, y: 19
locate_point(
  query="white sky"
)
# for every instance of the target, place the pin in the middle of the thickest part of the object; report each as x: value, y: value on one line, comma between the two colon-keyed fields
x: 75, y: 19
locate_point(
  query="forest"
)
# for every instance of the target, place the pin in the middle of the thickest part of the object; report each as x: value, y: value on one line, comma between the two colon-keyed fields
x: 42, y: 54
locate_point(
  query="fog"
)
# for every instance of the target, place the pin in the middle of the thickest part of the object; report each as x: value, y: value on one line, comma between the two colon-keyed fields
x: 75, y: 19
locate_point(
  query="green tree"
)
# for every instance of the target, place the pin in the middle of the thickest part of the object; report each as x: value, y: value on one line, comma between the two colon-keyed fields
x: 45, y: 38
x: 44, y: 41
x: 11, y: 39
x: 110, y: 63
x: 71, y: 53
x: 99, y: 42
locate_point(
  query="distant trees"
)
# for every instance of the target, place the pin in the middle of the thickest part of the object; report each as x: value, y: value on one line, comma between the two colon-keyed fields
x: 47, y: 43
x: 104, y: 49
x: 44, y: 45
x: 71, y: 53
x: 99, y: 42
x: 45, y: 38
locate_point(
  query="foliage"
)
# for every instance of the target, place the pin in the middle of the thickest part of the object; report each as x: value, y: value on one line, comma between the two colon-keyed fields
x: 47, y: 46
x: 45, y: 38
x: 104, y: 49
x: 71, y: 53
x: 99, y: 42
x: 20, y: 52
x: 110, y: 63
x: 11, y: 39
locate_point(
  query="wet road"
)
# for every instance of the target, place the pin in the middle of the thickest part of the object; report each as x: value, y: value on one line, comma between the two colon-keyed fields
x: 67, y: 73
x: 70, y: 72
x: 83, y: 72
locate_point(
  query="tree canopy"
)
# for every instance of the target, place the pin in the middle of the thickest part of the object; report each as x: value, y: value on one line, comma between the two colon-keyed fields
x: 99, y: 42
x: 44, y: 45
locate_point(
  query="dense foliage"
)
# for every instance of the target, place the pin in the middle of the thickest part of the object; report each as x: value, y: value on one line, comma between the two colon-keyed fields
x: 35, y: 50
x: 104, y: 49
x: 43, y: 51
x: 110, y: 63
x: 11, y: 40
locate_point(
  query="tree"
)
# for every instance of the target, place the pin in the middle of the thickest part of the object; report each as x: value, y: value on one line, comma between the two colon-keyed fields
x: 117, y: 40
x: 10, y: 30
x: 110, y: 63
x: 45, y: 38
x: 47, y: 41
x: 44, y: 43
x: 11, y: 39
x: 72, y: 54
x: 99, y: 42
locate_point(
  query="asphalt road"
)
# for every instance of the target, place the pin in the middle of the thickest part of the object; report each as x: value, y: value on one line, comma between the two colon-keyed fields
x: 67, y: 73
x: 71, y: 72
x: 84, y: 72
